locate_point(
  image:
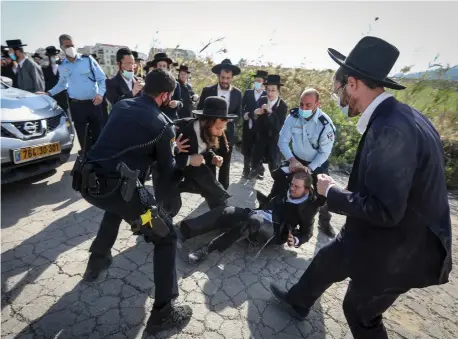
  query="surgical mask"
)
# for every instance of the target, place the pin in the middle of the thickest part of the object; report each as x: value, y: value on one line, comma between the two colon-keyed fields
x: 127, y: 74
x: 70, y: 52
x: 257, y: 85
x: 305, y: 113
x: 12, y: 56
x: 53, y: 60
x: 345, y: 109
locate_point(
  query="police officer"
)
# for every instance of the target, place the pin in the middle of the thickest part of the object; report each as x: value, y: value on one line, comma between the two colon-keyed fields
x: 136, y: 134
x: 312, y: 133
x: 84, y: 80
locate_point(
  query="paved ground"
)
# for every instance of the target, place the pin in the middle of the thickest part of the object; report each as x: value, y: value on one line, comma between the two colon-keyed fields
x: 47, y: 229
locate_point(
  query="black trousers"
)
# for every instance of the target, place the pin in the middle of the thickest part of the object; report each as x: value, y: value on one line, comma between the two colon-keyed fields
x: 265, y: 148
x: 248, y: 139
x: 85, y: 112
x: 225, y: 169
x: 283, y: 180
x: 363, y: 307
x: 116, y: 209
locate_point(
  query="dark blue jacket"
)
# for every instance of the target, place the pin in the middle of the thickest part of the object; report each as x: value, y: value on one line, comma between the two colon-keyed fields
x: 134, y: 122
x: 398, y: 228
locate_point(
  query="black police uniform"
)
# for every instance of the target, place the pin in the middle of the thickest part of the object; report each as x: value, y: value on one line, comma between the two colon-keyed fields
x: 134, y: 122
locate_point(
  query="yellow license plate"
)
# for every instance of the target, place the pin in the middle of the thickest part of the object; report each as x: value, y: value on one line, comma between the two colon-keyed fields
x: 36, y: 152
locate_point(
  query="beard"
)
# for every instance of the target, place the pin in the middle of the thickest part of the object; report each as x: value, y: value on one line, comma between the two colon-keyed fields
x: 224, y: 86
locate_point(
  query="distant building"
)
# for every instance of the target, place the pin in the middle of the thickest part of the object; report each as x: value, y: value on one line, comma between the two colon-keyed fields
x: 173, y: 53
x: 106, y: 54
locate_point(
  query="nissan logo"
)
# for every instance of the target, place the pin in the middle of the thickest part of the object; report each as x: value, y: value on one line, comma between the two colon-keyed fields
x: 30, y: 127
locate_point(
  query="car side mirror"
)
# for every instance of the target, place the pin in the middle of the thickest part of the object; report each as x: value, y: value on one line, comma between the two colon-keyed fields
x: 7, y: 81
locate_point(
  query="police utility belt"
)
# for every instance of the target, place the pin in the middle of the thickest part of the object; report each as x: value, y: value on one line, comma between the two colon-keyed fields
x: 95, y: 184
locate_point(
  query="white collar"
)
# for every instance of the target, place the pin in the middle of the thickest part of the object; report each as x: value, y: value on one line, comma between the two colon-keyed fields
x: 224, y: 90
x: 20, y: 63
x: 367, y: 114
x: 272, y: 103
x: 297, y: 201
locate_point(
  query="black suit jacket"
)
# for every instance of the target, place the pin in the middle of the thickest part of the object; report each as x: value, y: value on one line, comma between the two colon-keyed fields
x: 117, y: 89
x: 186, y: 128
x: 172, y: 113
x: 186, y: 95
x: 51, y: 80
x: 235, y: 107
x: 398, y: 228
x: 249, y: 104
x: 269, y: 125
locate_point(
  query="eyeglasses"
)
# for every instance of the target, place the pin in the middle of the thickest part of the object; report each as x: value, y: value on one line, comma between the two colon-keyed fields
x: 334, y: 94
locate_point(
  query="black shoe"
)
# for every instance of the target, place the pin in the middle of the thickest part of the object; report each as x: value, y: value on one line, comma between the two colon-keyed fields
x: 168, y: 317
x: 96, y: 265
x: 280, y: 294
x: 326, y: 228
x: 260, y: 176
x: 246, y: 173
x: 253, y: 174
x: 198, y: 255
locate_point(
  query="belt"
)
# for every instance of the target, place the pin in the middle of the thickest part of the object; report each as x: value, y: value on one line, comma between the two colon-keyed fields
x: 303, y: 162
x: 77, y: 100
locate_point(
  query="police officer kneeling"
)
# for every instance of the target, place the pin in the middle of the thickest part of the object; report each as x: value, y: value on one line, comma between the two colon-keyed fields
x: 136, y: 134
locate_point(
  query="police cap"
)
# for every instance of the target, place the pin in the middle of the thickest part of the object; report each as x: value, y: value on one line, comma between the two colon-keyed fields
x: 159, y: 81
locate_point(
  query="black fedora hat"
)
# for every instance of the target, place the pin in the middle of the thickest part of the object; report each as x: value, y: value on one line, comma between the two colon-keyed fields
x: 161, y: 57
x: 273, y: 79
x: 37, y: 55
x: 4, y: 48
x: 372, y: 58
x: 261, y: 74
x: 226, y: 64
x: 52, y: 50
x: 14, y: 43
x: 136, y: 57
x: 183, y: 68
x: 215, y: 107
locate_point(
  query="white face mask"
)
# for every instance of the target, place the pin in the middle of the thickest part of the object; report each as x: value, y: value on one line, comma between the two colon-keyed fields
x: 345, y: 109
x: 70, y: 52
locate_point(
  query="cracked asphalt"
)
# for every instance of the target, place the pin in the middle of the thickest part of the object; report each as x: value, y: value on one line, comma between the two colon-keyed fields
x: 47, y: 230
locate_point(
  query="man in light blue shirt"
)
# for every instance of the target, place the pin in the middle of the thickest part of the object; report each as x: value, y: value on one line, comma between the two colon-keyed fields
x: 84, y: 81
x: 312, y: 134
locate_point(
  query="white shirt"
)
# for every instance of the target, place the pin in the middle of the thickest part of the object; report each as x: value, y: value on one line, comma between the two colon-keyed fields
x: 367, y: 114
x: 54, y: 68
x: 366, y: 117
x: 130, y: 83
x: 271, y: 104
x: 201, y: 145
x: 21, y: 62
x: 257, y: 94
x: 226, y: 94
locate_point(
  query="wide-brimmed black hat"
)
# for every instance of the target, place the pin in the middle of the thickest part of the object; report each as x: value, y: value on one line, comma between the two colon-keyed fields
x: 52, y: 50
x: 226, y: 64
x: 261, y: 74
x: 215, y: 107
x: 273, y: 79
x: 136, y: 57
x: 183, y: 68
x: 161, y: 57
x: 14, y: 43
x: 372, y: 58
x: 37, y: 55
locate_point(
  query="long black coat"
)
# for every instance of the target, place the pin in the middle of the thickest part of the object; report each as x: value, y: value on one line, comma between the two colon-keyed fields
x: 117, y: 89
x: 249, y: 105
x: 186, y: 95
x: 51, y: 80
x: 235, y: 107
x: 398, y: 228
x: 269, y: 125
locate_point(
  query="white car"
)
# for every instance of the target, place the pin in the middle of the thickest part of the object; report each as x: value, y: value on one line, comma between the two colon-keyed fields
x: 37, y: 135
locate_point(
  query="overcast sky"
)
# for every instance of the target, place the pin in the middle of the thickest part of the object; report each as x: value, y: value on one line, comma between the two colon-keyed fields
x: 290, y: 33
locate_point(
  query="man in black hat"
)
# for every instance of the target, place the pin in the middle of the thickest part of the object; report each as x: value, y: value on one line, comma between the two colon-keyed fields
x: 398, y: 230
x: 269, y: 116
x: 136, y: 134
x: 187, y: 94
x: 29, y: 74
x: 8, y: 66
x: 138, y: 70
x: 233, y: 96
x: 51, y: 74
x: 161, y: 60
x: 249, y: 104
x: 37, y: 58
x: 124, y: 85
x: 207, y: 144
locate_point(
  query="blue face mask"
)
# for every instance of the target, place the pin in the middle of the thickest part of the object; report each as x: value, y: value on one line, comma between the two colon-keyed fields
x: 127, y: 74
x: 12, y: 56
x: 305, y: 113
x: 257, y: 85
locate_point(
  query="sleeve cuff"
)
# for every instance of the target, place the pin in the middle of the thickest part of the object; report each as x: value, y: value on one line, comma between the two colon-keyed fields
x: 296, y: 241
x: 188, y: 161
x: 327, y: 190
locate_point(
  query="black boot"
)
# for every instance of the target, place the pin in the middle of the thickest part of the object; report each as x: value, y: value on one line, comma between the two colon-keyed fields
x: 170, y: 316
x: 96, y: 265
x: 324, y: 222
x: 198, y: 255
x: 281, y: 295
